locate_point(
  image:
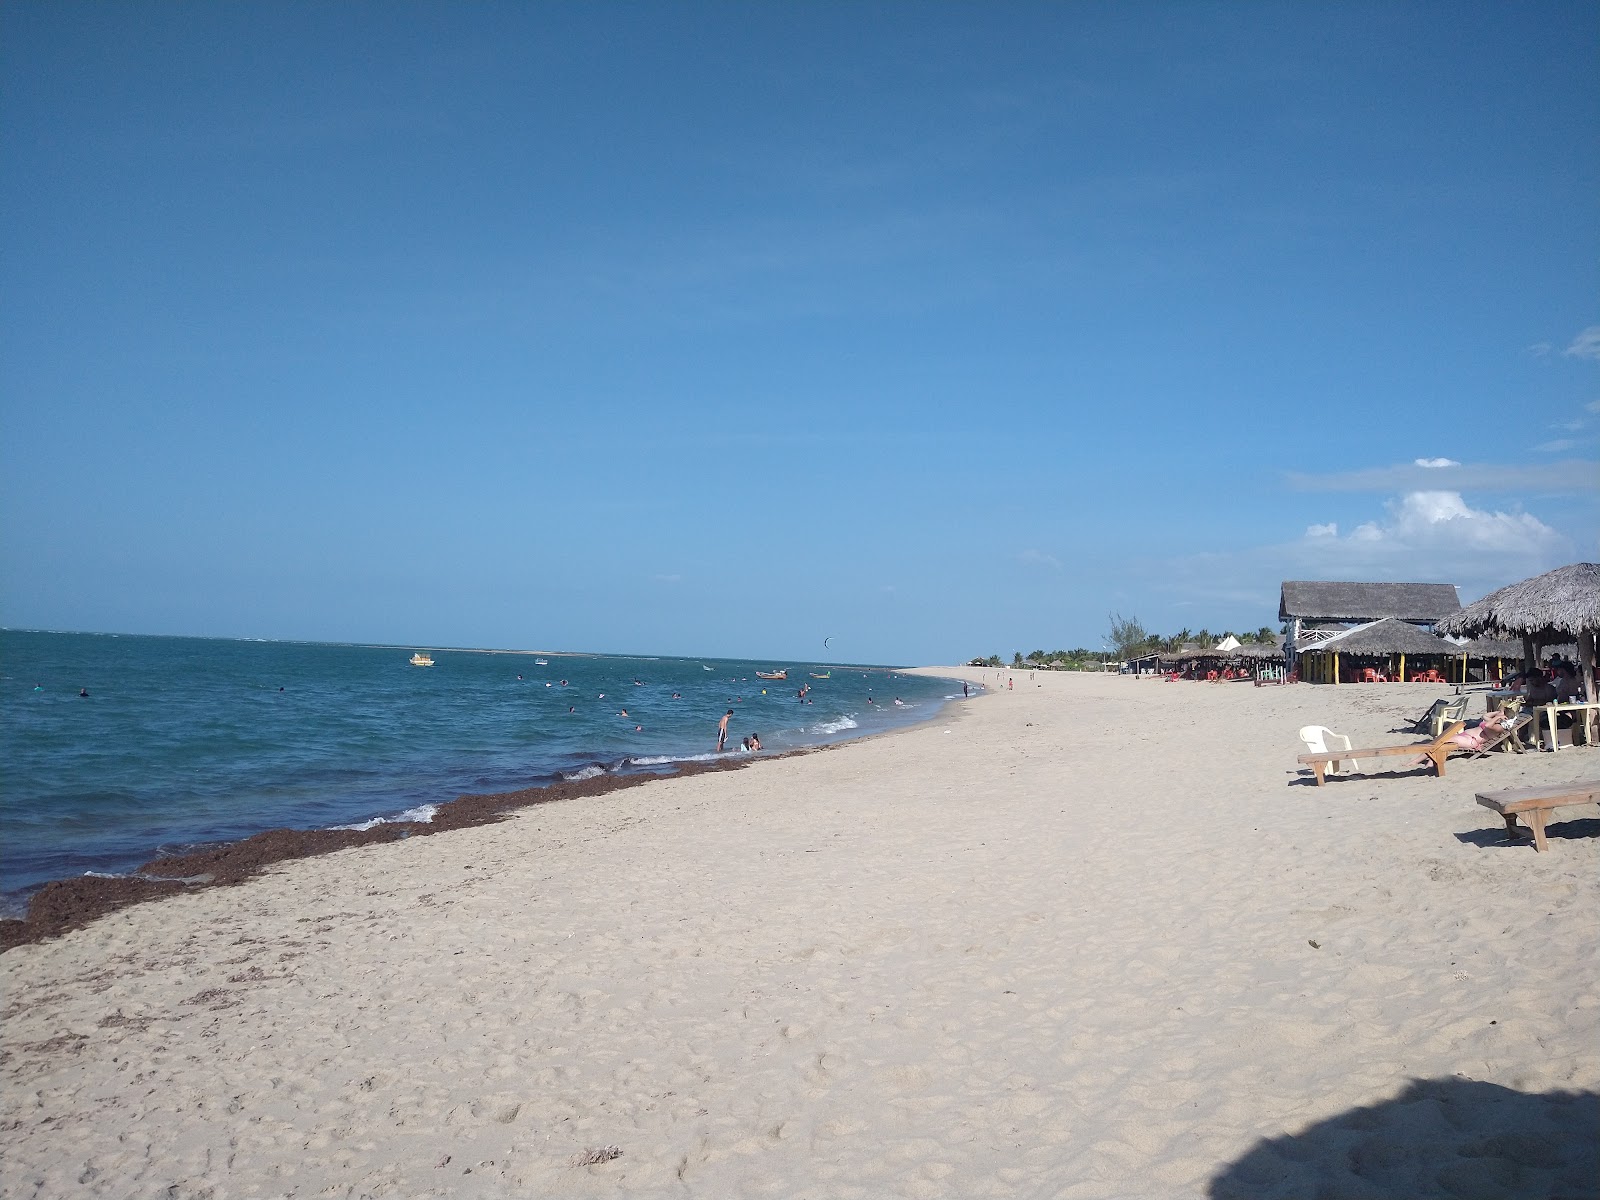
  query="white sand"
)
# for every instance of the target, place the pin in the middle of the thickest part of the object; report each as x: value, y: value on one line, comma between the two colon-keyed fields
x: 1058, y: 944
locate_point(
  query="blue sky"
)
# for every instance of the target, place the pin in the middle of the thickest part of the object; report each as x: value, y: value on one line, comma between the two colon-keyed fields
x: 718, y: 329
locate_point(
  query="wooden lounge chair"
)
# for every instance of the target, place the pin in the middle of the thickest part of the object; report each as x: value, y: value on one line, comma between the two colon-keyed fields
x: 1435, y: 752
x: 1533, y: 803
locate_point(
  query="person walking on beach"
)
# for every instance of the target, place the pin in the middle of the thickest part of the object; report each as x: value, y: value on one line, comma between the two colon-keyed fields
x: 722, y: 730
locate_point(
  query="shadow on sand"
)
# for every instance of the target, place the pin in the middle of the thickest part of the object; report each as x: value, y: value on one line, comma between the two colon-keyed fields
x: 1454, y: 1138
x: 1571, y: 830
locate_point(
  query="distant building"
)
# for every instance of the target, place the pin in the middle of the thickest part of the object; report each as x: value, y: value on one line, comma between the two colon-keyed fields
x: 1315, y: 611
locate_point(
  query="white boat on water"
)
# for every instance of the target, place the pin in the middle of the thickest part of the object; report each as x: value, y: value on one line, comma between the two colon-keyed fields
x: 539, y: 662
x: 419, y: 659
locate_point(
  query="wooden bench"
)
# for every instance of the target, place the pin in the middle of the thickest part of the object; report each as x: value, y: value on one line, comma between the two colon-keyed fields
x: 1533, y: 803
x: 1435, y: 752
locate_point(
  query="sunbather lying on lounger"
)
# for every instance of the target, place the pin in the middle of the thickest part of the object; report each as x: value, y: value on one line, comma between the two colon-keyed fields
x: 1483, y: 733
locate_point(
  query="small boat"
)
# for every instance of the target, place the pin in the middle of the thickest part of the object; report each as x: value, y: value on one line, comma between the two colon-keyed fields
x: 419, y: 659
x: 703, y: 667
x: 772, y: 674
x: 824, y: 675
x: 539, y: 662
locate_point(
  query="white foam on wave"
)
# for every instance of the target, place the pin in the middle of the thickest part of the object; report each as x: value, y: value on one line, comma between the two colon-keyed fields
x: 837, y: 726
x: 422, y: 814
x: 659, y: 760
x: 581, y: 774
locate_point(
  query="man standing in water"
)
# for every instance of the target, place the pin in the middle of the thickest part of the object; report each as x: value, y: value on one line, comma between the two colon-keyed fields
x: 722, y: 730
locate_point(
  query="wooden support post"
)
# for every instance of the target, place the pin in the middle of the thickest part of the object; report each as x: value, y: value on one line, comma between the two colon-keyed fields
x: 1586, y: 668
x: 1402, y: 667
x: 1335, y: 668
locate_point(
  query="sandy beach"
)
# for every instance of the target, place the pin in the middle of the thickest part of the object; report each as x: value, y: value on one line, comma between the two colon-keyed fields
x: 1096, y: 937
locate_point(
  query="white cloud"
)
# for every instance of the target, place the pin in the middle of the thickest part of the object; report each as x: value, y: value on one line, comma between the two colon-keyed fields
x: 1038, y: 558
x: 1435, y: 535
x: 1431, y: 536
x: 1540, y: 349
x: 1585, y: 345
x: 667, y: 578
x: 1593, y: 406
x: 1434, y: 464
x: 1556, y: 446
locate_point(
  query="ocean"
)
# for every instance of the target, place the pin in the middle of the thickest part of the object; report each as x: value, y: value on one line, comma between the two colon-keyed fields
x: 183, y: 742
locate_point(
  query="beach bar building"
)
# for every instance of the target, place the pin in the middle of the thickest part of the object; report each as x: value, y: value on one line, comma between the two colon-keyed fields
x: 1379, y: 652
x: 1315, y: 611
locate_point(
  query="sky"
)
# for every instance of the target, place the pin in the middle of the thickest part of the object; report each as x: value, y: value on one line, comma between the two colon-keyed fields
x: 718, y: 329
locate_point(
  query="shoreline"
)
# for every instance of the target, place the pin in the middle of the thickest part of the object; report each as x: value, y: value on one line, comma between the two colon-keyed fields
x: 60, y: 906
x: 1089, y: 940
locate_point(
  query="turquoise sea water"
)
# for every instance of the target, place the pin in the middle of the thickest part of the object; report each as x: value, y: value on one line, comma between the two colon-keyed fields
x: 186, y: 741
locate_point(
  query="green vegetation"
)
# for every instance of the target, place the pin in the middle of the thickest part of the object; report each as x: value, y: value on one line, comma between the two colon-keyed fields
x: 1126, y: 639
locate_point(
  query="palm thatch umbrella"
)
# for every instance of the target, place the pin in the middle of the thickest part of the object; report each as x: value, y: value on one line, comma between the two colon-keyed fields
x: 1499, y: 650
x: 1556, y: 606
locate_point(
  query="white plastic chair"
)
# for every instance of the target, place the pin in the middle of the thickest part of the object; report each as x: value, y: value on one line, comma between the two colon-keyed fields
x: 1319, y: 739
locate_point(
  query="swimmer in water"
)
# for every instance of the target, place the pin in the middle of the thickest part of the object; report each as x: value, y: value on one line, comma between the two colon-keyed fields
x: 755, y: 741
x: 84, y: 692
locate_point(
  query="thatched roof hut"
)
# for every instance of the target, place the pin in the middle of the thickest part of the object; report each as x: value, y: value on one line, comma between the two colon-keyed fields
x: 1315, y: 600
x: 1561, y: 603
x: 1490, y: 648
x: 1554, y: 607
x: 1259, y: 651
x: 1388, y: 636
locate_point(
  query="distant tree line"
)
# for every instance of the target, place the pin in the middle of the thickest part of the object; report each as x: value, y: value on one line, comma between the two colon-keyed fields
x: 1064, y: 660
x: 1130, y: 639
x: 1126, y: 639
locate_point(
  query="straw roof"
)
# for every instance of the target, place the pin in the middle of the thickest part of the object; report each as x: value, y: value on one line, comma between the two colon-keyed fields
x: 1491, y: 648
x: 1564, y: 602
x: 1258, y: 650
x: 1388, y: 636
x: 1326, y: 601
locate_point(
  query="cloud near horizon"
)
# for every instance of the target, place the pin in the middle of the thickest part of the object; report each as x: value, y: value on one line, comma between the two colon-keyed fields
x: 1425, y: 535
x: 1434, y: 536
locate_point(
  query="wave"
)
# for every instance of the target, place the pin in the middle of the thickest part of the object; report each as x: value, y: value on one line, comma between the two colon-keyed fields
x: 835, y: 726
x: 661, y: 760
x: 422, y: 814
x: 582, y: 773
